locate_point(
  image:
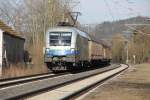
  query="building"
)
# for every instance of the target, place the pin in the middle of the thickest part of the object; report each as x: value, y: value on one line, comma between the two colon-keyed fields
x: 11, y: 46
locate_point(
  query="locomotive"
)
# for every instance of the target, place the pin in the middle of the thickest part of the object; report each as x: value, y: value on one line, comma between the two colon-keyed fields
x: 68, y: 48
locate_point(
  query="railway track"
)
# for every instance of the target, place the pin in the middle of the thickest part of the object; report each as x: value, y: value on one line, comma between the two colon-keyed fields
x: 15, y: 78
x: 29, y: 89
x: 78, y: 88
x: 25, y: 79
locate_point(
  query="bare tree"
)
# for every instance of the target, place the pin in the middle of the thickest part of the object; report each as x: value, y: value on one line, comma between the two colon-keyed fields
x: 34, y: 17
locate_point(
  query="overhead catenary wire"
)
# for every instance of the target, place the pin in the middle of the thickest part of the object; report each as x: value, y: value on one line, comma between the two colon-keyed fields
x: 131, y: 9
x: 111, y: 14
x: 130, y: 26
x: 109, y: 9
x: 128, y: 7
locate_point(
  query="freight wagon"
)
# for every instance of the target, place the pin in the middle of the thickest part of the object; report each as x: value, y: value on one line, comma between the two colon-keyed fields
x: 99, y: 52
x: 69, y: 48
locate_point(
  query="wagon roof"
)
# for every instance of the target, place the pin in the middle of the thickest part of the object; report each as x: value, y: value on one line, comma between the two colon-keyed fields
x: 100, y: 41
x: 8, y: 30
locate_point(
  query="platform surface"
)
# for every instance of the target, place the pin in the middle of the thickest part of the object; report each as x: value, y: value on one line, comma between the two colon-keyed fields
x: 133, y: 84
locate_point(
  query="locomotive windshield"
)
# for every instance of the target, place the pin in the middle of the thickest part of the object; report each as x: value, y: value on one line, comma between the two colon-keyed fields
x: 60, y: 38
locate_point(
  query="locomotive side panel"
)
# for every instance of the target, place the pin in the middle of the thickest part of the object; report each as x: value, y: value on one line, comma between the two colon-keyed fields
x: 82, y: 46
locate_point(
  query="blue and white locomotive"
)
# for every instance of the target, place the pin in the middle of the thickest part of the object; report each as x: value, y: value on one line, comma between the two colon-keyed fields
x: 69, y: 48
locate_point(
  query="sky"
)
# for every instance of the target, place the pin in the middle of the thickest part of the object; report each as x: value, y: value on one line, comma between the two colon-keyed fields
x: 98, y: 11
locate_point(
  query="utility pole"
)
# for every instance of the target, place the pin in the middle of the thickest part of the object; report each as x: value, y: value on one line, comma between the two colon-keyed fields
x: 127, y: 52
x: 133, y: 27
x: 86, y: 27
x: 134, y: 59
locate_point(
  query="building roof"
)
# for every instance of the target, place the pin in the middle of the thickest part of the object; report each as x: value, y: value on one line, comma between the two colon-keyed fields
x: 8, y: 30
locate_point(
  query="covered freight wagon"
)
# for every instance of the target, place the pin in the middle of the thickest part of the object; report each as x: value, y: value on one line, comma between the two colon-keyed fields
x: 99, y: 52
x: 11, y: 46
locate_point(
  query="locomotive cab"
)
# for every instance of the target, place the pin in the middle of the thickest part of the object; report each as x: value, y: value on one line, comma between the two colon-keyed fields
x: 60, y: 48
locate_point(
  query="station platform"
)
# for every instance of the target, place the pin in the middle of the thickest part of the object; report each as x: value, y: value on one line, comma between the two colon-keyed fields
x: 132, y: 84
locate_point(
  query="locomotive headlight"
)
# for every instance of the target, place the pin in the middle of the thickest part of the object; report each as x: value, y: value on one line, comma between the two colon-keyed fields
x: 72, y: 50
x: 47, y: 50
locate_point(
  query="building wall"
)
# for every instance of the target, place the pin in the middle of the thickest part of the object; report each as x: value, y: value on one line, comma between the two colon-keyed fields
x: 14, y: 48
x: 1, y: 39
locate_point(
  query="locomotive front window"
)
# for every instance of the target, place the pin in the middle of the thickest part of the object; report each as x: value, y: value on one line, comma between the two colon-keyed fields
x: 54, y: 39
x: 60, y: 38
x: 66, y: 39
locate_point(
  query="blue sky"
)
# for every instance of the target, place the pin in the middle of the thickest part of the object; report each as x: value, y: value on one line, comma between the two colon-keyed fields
x: 97, y: 11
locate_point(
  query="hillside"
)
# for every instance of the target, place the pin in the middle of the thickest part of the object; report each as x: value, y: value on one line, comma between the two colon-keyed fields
x: 109, y: 29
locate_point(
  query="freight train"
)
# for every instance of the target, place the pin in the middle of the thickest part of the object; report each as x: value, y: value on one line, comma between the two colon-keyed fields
x: 68, y: 48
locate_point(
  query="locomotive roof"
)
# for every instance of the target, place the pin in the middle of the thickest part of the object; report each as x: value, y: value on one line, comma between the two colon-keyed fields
x: 69, y: 28
x: 84, y: 34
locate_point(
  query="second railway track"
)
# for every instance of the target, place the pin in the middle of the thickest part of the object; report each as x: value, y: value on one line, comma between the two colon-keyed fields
x: 20, y: 80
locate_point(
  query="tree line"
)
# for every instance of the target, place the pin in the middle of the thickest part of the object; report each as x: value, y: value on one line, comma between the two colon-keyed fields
x: 138, y: 47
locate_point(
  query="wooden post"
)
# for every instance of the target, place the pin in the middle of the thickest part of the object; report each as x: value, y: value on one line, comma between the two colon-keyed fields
x: 1, y: 52
x: 134, y: 59
x: 104, y: 53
